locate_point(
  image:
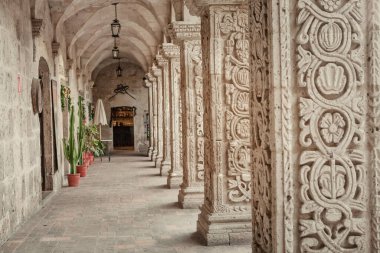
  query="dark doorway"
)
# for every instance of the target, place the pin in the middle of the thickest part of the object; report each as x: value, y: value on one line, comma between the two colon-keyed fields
x: 123, y: 127
x: 46, y: 129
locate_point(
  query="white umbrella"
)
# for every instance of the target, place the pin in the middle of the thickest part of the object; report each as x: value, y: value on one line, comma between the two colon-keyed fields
x: 100, y: 116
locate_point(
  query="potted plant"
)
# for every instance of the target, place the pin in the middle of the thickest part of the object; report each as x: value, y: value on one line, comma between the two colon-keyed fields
x: 93, y: 145
x: 81, y: 167
x: 71, y: 153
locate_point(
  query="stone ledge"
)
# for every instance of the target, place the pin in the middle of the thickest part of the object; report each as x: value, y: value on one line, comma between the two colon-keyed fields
x: 191, y: 199
x: 224, y: 228
x: 174, y: 181
x: 164, y: 168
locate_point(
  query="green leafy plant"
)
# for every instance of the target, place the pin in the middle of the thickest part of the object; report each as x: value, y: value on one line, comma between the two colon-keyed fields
x: 70, y: 148
x: 80, y: 132
x: 65, y: 97
x: 92, y: 141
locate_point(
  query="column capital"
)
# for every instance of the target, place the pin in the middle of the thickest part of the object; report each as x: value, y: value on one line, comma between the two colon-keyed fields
x: 157, y: 72
x: 148, y: 83
x: 171, y: 50
x: 150, y: 76
x: 196, y: 7
x: 36, y: 27
x: 91, y: 83
x: 180, y: 31
x: 55, y: 47
x: 69, y: 64
x: 161, y: 60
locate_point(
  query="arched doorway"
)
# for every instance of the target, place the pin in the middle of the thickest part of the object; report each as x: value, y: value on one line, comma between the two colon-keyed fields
x: 123, y: 127
x: 47, y: 140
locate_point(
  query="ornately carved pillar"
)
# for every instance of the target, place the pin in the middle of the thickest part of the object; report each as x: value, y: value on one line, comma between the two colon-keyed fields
x: 172, y: 53
x: 157, y: 74
x: 154, y: 122
x: 149, y: 85
x: 314, y: 114
x: 373, y: 10
x: 163, y: 63
x: 226, y: 213
x: 188, y: 36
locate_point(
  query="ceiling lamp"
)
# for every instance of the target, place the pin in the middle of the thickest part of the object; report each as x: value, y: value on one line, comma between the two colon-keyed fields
x: 115, y: 25
x: 115, y: 51
x: 119, y: 70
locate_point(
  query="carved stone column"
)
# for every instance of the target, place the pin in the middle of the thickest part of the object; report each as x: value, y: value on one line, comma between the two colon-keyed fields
x: 149, y: 85
x: 157, y: 74
x: 172, y: 53
x: 154, y: 122
x: 163, y: 63
x: 187, y: 36
x: 314, y: 114
x: 226, y: 213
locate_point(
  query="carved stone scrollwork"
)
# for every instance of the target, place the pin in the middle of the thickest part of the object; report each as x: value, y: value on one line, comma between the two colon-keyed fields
x: 227, y: 146
x: 332, y: 170
x: 163, y: 63
x: 237, y: 97
x: 172, y: 53
x: 374, y: 118
x: 154, y: 119
x: 261, y: 123
x: 157, y: 74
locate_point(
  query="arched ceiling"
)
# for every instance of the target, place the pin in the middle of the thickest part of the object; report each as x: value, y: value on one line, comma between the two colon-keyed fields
x: 84, y: 25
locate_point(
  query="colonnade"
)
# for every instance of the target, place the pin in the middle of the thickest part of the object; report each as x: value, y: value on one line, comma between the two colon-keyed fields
x: 266, y: 114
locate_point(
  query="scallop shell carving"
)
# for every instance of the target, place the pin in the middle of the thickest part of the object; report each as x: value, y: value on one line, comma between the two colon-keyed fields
x: 331, y: 79
x: 330, y: 37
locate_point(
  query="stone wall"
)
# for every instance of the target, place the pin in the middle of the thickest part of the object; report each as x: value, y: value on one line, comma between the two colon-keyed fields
x: 105, y: 83
x: 20, y: 161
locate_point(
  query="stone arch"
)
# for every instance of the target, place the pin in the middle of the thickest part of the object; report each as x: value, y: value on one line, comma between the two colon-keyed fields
x: 46, y: 128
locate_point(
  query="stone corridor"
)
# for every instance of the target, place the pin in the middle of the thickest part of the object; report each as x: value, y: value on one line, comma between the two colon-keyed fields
x: 123, y: 206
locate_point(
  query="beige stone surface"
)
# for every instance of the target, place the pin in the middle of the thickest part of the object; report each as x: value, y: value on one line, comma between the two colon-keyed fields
x: 226, y: 211
x: 104, y: 86
x: 122, y: 206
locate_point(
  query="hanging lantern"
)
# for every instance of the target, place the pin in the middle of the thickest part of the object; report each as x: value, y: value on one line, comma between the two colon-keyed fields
x: 115, y: 25
x: 119, y: 70
x: 115, y: 51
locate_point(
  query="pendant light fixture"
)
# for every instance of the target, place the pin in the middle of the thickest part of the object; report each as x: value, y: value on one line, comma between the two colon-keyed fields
x: 115, y: 25
x: 119, y: 70
x: 115, y: 50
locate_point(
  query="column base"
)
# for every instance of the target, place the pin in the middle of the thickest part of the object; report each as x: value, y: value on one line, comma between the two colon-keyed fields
x: 153, y: 155
x: 158, y: 162
x: 232, y: 228
x: 150, y: 151
x: 165, y: 168
x: 191, y: 197
x: 174, y: 180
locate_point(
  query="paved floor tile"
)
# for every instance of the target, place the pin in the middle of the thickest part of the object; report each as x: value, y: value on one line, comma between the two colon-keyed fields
x: 121, y: 207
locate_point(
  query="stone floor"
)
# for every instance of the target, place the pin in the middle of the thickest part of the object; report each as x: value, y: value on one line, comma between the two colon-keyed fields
x: 122, y: 206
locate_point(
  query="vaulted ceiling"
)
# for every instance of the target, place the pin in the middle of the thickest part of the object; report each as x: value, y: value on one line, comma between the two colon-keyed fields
x: 85, y: 26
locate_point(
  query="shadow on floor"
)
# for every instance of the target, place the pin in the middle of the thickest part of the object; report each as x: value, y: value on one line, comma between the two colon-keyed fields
x: 173, y: 205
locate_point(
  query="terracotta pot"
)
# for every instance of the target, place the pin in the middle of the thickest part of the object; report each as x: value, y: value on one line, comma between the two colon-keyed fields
x: 73, y: 179
x: 87, y: 163
x: 82, y: 170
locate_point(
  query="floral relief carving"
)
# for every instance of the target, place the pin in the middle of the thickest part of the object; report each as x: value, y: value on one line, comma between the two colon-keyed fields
x: 234, y: 26
x: 373, y: 8
x: 332, y: 127
x: 260, y: 115
x: 330, y: 69
x: 195, y: 53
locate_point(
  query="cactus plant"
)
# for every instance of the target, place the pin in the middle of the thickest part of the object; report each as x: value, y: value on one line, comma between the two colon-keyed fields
x: 70, y: 149
x: 80, y: 134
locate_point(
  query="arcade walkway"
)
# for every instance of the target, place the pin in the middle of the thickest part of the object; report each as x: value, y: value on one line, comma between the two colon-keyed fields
x: 122, y: 206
